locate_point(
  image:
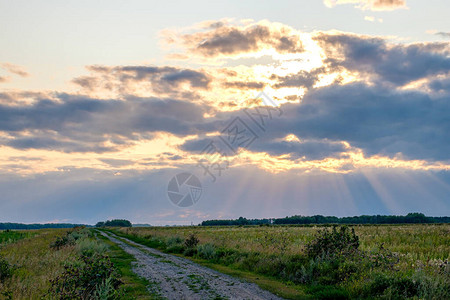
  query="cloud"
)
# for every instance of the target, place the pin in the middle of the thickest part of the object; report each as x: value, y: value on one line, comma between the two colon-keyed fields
x: 15, y: 69
x: 142, y: 198
x: 116, y: 163
x: 229, y: 40
x: 304, y: 79
x: 375, y: 5
x: 305, y: 149
x: 123, y: 80
x: 443, y: 34
x: 396, y: 64
x: 373, y: 19
x: 3, y: 79
x: 376, y: 119
x: 81, y: 124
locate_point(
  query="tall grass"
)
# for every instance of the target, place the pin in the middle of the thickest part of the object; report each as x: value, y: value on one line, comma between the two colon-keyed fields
x: 398, y: 261
x: 34, y: 263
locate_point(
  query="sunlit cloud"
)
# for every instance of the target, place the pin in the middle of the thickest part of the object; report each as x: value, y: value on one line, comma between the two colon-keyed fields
x: 375, y: 5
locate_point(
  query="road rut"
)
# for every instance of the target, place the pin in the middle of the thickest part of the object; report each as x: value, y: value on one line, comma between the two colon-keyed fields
x: 174, y: 277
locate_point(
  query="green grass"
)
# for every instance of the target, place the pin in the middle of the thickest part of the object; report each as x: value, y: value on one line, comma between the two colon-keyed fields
x: 134, y: 287
x: 11, y: 236
x: 34, y: 263
x: 274, y: 258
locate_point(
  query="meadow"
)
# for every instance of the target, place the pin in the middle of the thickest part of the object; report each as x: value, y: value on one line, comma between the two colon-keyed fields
x: 386, y: 261
x: 295, y: 262
x: 65, y: 264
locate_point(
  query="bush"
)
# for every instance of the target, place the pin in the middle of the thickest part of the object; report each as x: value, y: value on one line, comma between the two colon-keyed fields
x: 83, y: 279
x: 174, y: 241
x: 6, y: 269
x: 206, y: 251
x: 190, y: 251
x: 192, y: 241
x: 89, y: 247
x: 334, y: 242
x: 61, y: 242
x: 174, y: 244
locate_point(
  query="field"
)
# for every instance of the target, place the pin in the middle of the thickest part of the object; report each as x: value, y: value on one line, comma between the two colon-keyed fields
x: 31, y: 260
x: 392, y: 261
x: 385, y: 262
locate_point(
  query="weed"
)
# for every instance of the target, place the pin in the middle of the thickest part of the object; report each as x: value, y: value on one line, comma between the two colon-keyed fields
x: 191, y: 241
x: 82, y: 279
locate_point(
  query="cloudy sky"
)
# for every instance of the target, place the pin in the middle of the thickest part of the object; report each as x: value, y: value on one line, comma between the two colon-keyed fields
x: 102, y: 103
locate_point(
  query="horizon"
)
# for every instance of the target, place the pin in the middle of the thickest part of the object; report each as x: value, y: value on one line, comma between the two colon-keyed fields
x: 198, y: 111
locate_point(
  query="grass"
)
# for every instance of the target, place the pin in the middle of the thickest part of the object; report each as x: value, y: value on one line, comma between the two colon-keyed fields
x: 271, y: 256
x: 393, y: 261
x: 420, y: 241
x: 134, y: 287
x: 11, y: 236
x: 287, y: 291
x: 34, y: 263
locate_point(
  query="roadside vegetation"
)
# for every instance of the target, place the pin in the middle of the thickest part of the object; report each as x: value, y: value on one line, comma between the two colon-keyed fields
x: 65, y: 264
x: 366, y: 262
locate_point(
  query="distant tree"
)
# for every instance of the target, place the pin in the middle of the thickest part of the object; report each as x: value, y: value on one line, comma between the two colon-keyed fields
x: 412, y: 218
x: 100, y: 224
x: 114, y: 223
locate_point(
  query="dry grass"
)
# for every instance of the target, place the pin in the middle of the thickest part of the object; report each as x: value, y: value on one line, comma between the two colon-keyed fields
x: 416, y: 241
x: 35, y: 264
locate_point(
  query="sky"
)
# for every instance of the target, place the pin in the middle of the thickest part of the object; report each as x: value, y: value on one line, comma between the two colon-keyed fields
x: 176, y: 112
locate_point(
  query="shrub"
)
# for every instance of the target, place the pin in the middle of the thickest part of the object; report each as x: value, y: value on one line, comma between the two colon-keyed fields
x: 192, y: 241
x: 326, y: 242
x: 6, y: 269
x: 79, y: 233
x: 89, y: 247
x: 61, y: 242
x: 174, y: 241
x: 190, y: 251
x: 83, y: 279
x: 106, y: 290
x: 174, y: 244
x: 206, y: 251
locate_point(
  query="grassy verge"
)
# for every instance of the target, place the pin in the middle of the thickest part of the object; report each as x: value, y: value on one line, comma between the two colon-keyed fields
x: 34, y: 264
x: 270, y: 284
x: 404, y: 262
x: 134, y: 287
x: 287, y: 291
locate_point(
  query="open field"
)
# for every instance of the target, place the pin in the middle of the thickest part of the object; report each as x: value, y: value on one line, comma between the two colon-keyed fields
x: 386, y: 262
x: 415, y: 241
x: 393, y: 261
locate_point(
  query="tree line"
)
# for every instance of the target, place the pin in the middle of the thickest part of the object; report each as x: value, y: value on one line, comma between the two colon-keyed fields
x: 411, y: 218
x: 114, y: 223
x: 21, y: 226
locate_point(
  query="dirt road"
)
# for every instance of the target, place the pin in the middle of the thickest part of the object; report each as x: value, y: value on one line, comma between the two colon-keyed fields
x: 174, y: 277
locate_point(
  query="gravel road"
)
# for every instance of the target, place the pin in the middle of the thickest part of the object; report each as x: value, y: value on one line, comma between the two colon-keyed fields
x: 173, y: 277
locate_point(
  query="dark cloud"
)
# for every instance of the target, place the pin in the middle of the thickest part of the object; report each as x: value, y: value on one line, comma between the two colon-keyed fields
x: 391, y: 63
x: 440, y: 85
x: 301, y: 79
x: 158, y: 79
x: 81, y: 124
x: 375, y: 119
x: 232, y: 40
x: 244, y: 85
x: 308, y: 149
